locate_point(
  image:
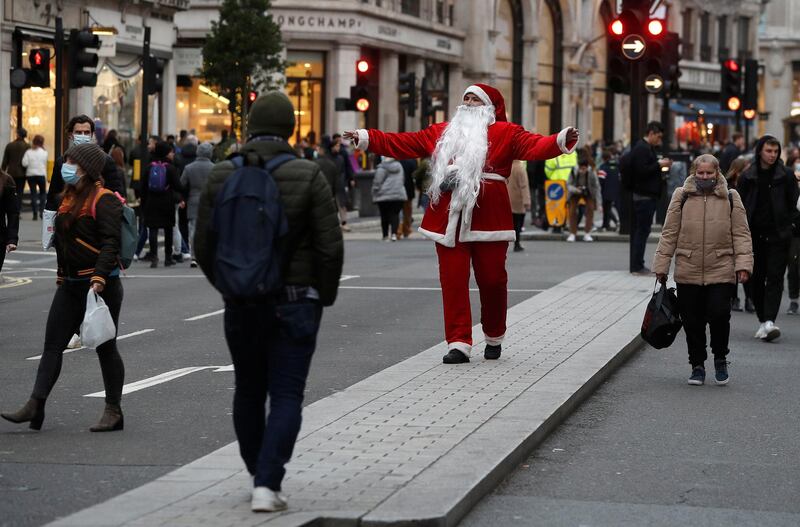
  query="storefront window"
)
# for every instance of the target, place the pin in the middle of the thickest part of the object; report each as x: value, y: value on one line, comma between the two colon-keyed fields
x: 202, y: 111
x: 305, y: 87
x: 117, y: 101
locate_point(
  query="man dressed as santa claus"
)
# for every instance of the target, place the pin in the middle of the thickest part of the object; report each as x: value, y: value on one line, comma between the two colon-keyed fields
x: 470, y: 213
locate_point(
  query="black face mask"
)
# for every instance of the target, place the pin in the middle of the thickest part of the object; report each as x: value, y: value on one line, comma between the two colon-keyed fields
x: 706, y: 185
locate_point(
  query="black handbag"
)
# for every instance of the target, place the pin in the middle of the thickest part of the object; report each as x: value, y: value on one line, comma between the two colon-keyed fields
x: 662, y: 321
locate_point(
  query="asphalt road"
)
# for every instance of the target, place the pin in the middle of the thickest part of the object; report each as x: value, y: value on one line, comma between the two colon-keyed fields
x: 648, y: 449
x: 388, y: 309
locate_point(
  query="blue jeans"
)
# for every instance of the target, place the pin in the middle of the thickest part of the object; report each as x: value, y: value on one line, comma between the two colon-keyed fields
x: 271, y: 345
x: 643, y: 211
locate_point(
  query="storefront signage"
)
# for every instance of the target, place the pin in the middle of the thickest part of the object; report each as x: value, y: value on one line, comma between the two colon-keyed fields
x: 188, y: 61
x: 108, y: 46
x: 364, y: 26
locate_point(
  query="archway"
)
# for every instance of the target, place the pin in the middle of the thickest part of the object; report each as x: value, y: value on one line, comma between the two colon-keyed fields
x: 508, y: 55
x: 550, y: 94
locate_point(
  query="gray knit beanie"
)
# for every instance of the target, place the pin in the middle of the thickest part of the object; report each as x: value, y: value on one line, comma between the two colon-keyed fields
x: 89, y: 157
x: 205, y: 150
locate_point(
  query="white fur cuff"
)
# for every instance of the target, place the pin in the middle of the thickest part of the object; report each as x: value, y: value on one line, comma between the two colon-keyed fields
x: 561, y: 140
x: 463, y: 347
x: 363, y: 140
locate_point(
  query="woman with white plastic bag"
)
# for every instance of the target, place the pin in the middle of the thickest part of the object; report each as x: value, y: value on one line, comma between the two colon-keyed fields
x: 88, y: 232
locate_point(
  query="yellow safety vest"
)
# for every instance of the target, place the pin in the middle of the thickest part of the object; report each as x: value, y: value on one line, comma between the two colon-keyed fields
x: 559, y: 168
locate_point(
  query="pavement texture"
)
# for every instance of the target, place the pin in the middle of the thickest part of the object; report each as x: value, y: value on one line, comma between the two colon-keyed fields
x: 419, y: 443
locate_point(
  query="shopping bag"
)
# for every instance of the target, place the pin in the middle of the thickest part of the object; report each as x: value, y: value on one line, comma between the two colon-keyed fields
x: 662, y: 321
x: 98, y: 326
x: 48, y: 228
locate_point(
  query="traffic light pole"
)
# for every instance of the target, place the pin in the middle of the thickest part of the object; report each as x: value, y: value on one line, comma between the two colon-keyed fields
x: 626, y: 227
x: 145, y: 98
x: 58, y: 47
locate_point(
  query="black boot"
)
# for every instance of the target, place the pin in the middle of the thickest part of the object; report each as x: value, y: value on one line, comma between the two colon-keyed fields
x: 112, y: 419
x: 518, y: 248
x: 154, y: 263
x: 492, y: 352
x: 33, y: 411
x: 455, y: 356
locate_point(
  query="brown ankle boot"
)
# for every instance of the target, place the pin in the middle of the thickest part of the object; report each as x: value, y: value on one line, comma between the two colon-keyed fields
x: 112, y: 419
x: 33, y: 411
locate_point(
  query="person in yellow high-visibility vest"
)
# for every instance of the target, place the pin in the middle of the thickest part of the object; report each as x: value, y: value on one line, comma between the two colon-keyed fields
x: 557, y: 171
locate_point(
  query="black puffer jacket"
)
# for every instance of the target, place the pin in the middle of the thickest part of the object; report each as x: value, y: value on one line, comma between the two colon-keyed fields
x: 784, y: 193
x: 9, y: 212
x: 89, y: 248
x: 310, y: 210
x: 647, y: 178
x: 159, y: 206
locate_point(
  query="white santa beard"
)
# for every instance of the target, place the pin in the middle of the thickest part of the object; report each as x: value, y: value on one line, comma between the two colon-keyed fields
x: 461, y: 153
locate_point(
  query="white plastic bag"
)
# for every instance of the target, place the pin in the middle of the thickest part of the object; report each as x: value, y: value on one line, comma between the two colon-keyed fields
x: 98, y: 326
x: 48, y: 228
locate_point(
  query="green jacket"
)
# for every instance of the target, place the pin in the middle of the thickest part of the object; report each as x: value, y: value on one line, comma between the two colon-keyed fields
x: 314, y: 232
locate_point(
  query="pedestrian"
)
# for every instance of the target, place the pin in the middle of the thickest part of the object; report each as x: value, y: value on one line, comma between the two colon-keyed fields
x: 159, y: 194
x: 12, y: 162
x: 643, y: 175
x: 221, y: 148
x: 793, y: 268
x: 194, y: 179
x: 738, y: 166
x: 272, y: 340
x: 181, y: 235
x: 470, y: 215
x: 732, y: 150
x: 389, y: 192
x: 9, y: 216
x: 113, y: 148
x: 349, y: 178
x: 88, y: 229
x: 582, y: 186
x: 608, y: 174
x: 706, y: 231
x: 333, y: 165
x: 559, y: 169
x: 769, y: 192
x: 536, y: 180
x: 519, y: 193
x: 422, y: 182
x: 35, y: 163
x: 409, y: 166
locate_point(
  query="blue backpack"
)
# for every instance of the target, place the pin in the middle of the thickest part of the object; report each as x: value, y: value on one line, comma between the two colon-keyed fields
x: 129, y: 237
x: 157, y: 177
x: 248, y: 223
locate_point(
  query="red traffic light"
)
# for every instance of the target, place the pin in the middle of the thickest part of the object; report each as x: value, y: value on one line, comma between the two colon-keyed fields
x: 655, y: 27
x: 36, y: 58
x: 616, y: 27
x: 362, y: 105
x: 731, y: 65
x: 749, y: 114
x: 362, y: 66
x: 252, y: 96
x: 734, y: 103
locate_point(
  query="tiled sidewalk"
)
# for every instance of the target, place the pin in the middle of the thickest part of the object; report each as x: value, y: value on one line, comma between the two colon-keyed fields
x: 421, y: 441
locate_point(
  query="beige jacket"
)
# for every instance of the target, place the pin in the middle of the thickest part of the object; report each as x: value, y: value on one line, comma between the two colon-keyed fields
x: 518, y: 190
x: 710, y: 241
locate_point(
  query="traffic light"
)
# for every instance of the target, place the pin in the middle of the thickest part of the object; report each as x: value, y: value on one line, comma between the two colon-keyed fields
x: 153, y: 75
x: 40, y: 68
x: 731, y: 85
x: 618, y: 70
x: 252, y: 96
x: 750, y: 88
x: 359, y: 98
x: 363, y: 68
x: 671, y: 64
x: 407, y: 89
x: 80, y: 58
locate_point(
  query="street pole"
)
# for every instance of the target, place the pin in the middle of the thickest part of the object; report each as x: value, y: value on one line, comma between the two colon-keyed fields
x: 59, y: 91
x: 636, y: 133
x: 145, y: 96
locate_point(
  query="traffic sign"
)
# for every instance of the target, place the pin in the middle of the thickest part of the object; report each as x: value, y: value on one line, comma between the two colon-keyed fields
x: 653, y: 83
x: 633, y: 47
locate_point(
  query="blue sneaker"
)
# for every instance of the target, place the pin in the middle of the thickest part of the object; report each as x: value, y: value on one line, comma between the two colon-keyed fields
x: 721, y: 372
x: 698, y: 376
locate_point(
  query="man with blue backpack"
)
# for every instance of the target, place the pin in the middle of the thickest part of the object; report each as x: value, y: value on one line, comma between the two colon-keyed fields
x: 268, y: 238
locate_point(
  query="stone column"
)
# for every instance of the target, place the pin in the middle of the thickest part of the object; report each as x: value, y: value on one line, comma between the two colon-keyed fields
x: 169, y: 99
x: 340, y: 74
x: 389, y: 118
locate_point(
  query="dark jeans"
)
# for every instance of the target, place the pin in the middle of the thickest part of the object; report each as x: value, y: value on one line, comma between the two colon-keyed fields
x: 643, y: 211
x: 271, y: 346
x: 183, y: 227
x: 64, y: 320
x: 37, y: 198
x: 702, y: 305
x: 793, y: 272
x: 390, y: 216
x: 2, y: 253
x: 769, y: 266
x: 20, y: 184
x: 519, y: 221
x: 609, y: 214
x: 167, y: 242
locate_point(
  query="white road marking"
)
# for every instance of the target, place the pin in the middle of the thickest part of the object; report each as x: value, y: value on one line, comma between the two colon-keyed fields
x: 386, y: 288
x: 206, y: 315
x: 162, y: 378
x: 346, y: 277
x: 121, y: 337
x: 48, y: 253
x: 12, y: 262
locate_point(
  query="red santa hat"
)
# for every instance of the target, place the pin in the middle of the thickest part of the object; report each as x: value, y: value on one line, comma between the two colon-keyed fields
x: 490, y: 97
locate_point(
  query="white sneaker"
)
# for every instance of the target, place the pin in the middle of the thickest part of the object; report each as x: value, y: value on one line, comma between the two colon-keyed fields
x: 571, y: 238
x: 394, y: 237
x: 266, y: 500
x: 587, y: 238
x: 771, y: 331
x: 74, y: 342
x: 187, y: 256
x: 761, y: 333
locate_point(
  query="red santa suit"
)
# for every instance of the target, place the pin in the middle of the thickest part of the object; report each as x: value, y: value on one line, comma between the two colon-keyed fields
x: 480, y: 233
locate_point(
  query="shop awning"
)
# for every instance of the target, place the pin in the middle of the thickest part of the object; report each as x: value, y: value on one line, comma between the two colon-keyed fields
x: 710, y: 110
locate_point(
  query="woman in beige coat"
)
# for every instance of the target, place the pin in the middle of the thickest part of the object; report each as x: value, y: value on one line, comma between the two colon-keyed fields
x: 520, y: 194
x: 706, y: 230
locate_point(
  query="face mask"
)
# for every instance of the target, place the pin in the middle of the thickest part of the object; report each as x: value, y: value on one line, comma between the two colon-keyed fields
x: 70, y: 174
x: 81, y: 139
x: 706, y: 185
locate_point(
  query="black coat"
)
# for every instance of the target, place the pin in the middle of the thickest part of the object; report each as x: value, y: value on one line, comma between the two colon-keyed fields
x: 159, y: 207
x: 647, y: 179
x: 113, y: 176
x: 784, y: 194
x: 9, y: 212
x: 729, y: 153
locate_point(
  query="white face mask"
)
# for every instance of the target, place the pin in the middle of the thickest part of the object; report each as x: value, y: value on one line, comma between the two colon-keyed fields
x: 81, y: 139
